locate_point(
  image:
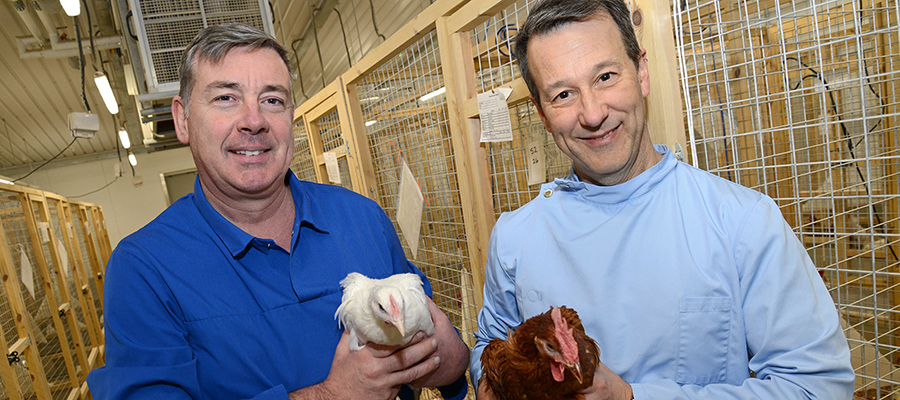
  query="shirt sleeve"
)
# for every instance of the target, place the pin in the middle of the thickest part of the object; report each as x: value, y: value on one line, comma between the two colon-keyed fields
x: 500, y: 312
x: 147, y: 353
x: 796, y: 344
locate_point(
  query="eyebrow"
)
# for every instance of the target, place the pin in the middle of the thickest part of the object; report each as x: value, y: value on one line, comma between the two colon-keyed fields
x: 236, y: 85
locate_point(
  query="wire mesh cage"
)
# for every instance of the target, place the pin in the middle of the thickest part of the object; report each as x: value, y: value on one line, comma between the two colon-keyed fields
x: 514, y: 182
x: 799, y: 100
x: 72, y: 287
x: 85, y: 250
x: 12, y: 219
x: 53, y: 342
x: 407, y: 122
x: 303, y: 164
x: 329, y: 128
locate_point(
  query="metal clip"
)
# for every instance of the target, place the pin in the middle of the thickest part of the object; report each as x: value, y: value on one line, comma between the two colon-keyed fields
x: 62, y: 313
x: 13, y: 357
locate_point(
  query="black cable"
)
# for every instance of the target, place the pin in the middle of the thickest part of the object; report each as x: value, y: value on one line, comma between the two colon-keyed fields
x: 851, y: 147
x: 374, y: 24
x: 47, y: 162
x: 94, y: 191
x: 318, y: 49
x: 87, y: 11
x: 81, y: 62
x: 299, y: 75
x: 346, y: 47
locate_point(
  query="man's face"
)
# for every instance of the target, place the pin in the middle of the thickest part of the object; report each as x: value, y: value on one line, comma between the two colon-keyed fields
x: 239, y: 124
x: 592, y: 99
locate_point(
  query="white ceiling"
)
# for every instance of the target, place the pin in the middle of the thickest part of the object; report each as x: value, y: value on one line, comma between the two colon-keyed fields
x: 38, y: 90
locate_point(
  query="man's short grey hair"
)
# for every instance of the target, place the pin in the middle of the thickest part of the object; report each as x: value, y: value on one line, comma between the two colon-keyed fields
x: 214, y: 42
x: 550, y: 15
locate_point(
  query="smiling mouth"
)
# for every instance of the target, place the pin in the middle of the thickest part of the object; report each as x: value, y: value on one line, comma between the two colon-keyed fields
x: 249, y: 152
x: 603, y: 136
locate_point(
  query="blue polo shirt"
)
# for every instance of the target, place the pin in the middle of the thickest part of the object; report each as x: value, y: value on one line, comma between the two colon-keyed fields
x: 197, y: 308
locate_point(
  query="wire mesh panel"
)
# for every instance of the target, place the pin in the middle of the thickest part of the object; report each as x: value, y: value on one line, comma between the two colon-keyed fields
x: 38, y: 303
x: 303, y: 164
x: 72, y: 287
x: 12, y: 221
x: 333, y: 141
x: 407, y: 120
x: 74, y: 231
x: 496, y: 66
x: 799, y: 100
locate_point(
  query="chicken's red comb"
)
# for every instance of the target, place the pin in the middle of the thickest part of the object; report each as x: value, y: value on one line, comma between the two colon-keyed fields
x: 564, y: 335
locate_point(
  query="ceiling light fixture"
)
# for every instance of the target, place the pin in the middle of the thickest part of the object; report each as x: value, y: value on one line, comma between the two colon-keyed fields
x: 372, y: 122
x: 434, y: 93
x: 71, y: 7
x: 132, y: 159
x: 123, y: 136
x: 106, y: 92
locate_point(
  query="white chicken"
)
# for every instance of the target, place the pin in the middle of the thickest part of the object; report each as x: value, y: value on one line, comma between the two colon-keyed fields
x: 385, y: 311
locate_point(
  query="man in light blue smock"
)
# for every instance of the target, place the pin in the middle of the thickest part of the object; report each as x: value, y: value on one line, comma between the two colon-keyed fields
x: 694, y: 287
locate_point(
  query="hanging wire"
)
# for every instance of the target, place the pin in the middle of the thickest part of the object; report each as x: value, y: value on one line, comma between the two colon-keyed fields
x: 46, y: 162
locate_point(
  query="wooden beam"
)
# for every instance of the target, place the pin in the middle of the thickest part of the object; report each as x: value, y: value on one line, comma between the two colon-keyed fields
x: 470, y: 158
x: 664, y: 104
x: 409, y: 33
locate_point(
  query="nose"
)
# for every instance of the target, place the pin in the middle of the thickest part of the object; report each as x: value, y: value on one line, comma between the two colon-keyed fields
x: 594, y: 109
x: 252, y: 120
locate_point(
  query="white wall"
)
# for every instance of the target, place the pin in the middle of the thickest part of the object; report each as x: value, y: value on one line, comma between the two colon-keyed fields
x: 126, y: 207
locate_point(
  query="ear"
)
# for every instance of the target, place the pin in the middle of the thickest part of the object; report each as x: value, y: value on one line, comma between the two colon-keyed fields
x: 644, y: 73
x: 540, y: 112
x: 181, y: 125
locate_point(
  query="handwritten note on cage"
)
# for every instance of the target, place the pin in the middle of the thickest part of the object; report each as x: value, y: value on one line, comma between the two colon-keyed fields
x: 331, y: 166
x: 537, y: 162
x: 409, y: 208
x: 494, y: 113
x: 27, y: 272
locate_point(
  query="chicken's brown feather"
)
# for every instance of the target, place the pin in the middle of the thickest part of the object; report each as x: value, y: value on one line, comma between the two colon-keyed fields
x: 515, y: 369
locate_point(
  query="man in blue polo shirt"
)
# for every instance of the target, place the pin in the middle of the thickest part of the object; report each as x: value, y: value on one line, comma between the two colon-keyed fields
x: 231, y: 292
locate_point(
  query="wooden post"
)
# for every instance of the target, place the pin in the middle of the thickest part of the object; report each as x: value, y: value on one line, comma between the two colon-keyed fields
x: 470, y: 157
x: 96, y: 267
x: 354, y: 128
x: 653, y: 23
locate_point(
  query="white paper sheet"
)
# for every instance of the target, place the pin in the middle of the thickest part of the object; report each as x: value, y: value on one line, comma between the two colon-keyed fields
x: 27, y: 274
x: 494, y: 113
x: 409, y: 208
x: 331, y: 165
x: 537, y: 162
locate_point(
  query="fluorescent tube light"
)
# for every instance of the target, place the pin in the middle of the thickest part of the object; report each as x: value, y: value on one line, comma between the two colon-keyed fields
x: 372, y: 122
x: 106, y: 92
x: 434, y: 93
x: 71, y: 7
x: 123, y: 136
x: 132, y: 159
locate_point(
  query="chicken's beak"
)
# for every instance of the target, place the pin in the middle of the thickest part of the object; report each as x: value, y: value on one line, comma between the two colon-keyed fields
x: 576, y: 371
x: 398, y: 323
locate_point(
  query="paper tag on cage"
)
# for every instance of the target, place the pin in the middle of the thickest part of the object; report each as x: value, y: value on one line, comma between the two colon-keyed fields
x: 409, y: 208
x: 331, y: 166
x: 27, y: 274
x: 494, y: 113
x: 44, y: 232
x: 537, y: 162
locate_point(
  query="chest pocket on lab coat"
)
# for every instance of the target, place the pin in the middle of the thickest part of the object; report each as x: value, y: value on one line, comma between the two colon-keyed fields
x: 703, y: 332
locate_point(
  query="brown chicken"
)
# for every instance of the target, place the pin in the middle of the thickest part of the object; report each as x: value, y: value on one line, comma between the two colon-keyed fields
x: 548, y: 357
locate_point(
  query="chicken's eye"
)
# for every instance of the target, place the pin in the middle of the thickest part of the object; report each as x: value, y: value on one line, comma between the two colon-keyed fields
x: 380, y: 307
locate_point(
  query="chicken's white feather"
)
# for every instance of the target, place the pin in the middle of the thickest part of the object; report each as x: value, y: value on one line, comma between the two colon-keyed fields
x: 386, y: 311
